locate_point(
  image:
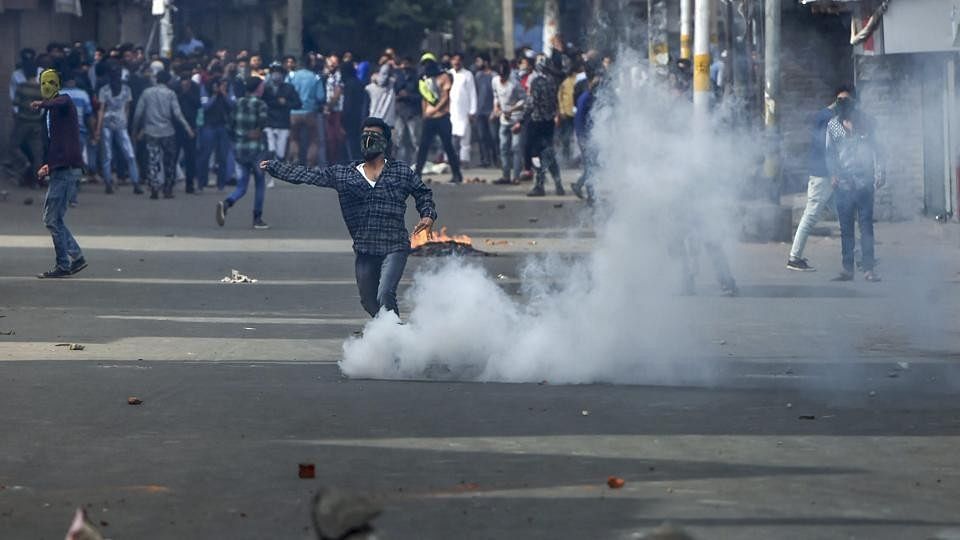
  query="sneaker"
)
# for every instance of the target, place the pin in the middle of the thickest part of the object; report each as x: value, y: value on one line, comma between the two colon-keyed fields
x: 560, y: 191
x: 456, y: 180
x: 167, y: 194
x: 221, y: 213
x: 73, y: 204
x: 871, y: 276
x: 526, y: 176
x: 154, y: 194
x: 537, y: 191
x: 137, y: 190
x: 730, y: 289
x: 190, y: 190
x: 271, y: 183
x: 577, y: 190
x: 844, y: 276
x: 55, y: 273
x: 260, y: 224
x: 800, y: 265
x: 109, y: 189
x: 78, y: 265
x: 502, y: 182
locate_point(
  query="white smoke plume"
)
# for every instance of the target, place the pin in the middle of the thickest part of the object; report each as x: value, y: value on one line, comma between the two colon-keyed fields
x: 615, y: 315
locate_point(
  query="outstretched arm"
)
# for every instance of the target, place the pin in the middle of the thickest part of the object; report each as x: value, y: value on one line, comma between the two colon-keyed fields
x: 298, y: 174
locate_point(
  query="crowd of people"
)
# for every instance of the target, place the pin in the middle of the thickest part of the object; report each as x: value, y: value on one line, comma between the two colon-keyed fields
x: 148, y: 121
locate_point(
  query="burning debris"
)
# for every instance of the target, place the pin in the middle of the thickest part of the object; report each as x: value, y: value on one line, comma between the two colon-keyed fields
x: 340, y: 516
x: 440, y: 244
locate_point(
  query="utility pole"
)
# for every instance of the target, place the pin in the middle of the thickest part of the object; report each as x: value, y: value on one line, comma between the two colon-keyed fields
x: 771, y: 96
x: 293, y: 38
x: 551, y: 23
x: 166, y: 30
x: 508, y: 45
x: 659, y: 50
x: 701, y: 65
x: 686, y: 25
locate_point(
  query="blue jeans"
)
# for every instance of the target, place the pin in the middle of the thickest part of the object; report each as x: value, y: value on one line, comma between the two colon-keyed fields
x: 377, y: 278
x: 126, y: 147
x: 510, y: 155
x: 259, y: 187
x: 63, y: 187
x: 856, y: 205
x: 214, y: 140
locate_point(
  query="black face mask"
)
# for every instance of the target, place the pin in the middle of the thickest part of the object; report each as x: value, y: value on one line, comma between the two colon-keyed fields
x: 845, y: 107
x: 372, y: 144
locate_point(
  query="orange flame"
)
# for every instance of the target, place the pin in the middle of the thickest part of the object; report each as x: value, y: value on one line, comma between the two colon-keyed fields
x: 422, y: 238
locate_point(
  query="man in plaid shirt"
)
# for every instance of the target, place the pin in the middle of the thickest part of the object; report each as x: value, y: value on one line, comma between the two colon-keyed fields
x: 373, y: 199
x: 249, y: 120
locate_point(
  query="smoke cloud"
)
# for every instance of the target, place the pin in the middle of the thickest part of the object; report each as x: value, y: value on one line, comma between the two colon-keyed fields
x: 614, y: 315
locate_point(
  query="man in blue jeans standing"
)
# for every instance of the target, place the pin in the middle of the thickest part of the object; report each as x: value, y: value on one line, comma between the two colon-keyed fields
x: 373, y: 199
x: 855, y: 172
x: 62, y: 165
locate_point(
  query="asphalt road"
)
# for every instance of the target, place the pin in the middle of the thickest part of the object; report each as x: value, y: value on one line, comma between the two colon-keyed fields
x: 796, y: 437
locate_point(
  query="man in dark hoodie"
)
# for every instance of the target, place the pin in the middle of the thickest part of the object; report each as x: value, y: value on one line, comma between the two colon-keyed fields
x: 62, y: 166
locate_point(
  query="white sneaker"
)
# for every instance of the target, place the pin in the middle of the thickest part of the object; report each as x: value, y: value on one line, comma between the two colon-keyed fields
x: 271, y: 183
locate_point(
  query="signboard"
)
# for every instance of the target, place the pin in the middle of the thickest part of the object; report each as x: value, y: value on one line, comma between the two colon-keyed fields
x: 921, y: 26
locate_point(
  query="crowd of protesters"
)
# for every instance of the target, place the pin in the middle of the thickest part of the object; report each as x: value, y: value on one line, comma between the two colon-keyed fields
x: 147, y: 121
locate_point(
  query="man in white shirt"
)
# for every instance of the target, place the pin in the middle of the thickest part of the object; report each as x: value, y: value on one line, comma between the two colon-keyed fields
x: 463, y: 105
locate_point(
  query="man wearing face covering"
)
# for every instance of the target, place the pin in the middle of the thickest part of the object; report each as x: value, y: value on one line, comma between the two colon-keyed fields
x: 62, y: 166
x: 373, y: 199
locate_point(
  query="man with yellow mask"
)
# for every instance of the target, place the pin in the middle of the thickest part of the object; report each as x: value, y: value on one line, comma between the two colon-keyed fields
x: 62, y: 166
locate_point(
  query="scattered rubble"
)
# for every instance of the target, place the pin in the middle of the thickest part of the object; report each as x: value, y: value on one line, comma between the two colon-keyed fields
x: 615, y: 482
x: 558, y: 205
x: 133, y: 400
x: 585, y: 413
x: 236, y: 277
x: 339, y: 516
x: 9, y: 333
x: 28, y: 201
x: 806, y: 417
x: 81, y: 528
x: 307, y: 470
x: 72, y: 346
x: 492, y: 242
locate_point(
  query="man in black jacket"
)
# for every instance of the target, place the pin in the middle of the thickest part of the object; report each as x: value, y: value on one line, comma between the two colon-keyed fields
x: 281, y: 97
x: 188, y: 94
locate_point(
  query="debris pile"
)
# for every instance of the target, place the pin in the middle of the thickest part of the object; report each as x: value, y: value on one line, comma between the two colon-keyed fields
x: 236, y: 277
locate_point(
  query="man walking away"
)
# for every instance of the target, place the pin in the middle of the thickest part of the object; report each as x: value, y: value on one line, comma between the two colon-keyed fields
x: 188, y: 96
x: 435, y: 91
x: 583, y: 125
x: 63, y: 165
x: 281, y: 99
x: 407, y: 111
x: 508, y: 104
x: 249, y: 120
x: 303, y: 119
x: 373, y: 199
x: 463, y: 106
x: 153, y: 120
x: 483, y: 80
x: 819, y: 187
x: 855, y: 172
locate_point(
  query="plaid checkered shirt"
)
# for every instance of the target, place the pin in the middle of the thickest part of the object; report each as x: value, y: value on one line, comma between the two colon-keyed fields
x: 250, y: 114
x: 373, y: 215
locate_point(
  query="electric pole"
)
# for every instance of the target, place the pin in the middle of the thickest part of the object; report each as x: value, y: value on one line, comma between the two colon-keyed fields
x: 166, y: 30
x: 771, y: 96
x: 701, y: 65
x: 686, y: 25
x: 293, y: 38
x: 508, y: 45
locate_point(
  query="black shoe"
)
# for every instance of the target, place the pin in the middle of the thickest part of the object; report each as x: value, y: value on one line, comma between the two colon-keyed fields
x: 577, y: 190
x: 559, y: 190
x: 800, y: 265
x: 221, y: 213
x: 456, y: 180
x: 537, y: 191
x: 844, y: 276
x: 154, y: 194
x: 502, y: 182
x: 260, y: 224
x: 78, y: 265
x: 190, y: 190
x: 55, y: 273
x: 137, y: 190
x: 167, y: 194
x: 730, y: 289
x: 109, y: 189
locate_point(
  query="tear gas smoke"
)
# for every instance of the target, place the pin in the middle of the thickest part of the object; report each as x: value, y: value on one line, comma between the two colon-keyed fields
x: 613, y: 316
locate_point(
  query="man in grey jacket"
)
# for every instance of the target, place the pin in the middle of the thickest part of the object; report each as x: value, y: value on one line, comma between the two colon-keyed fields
x: 156, y: 111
